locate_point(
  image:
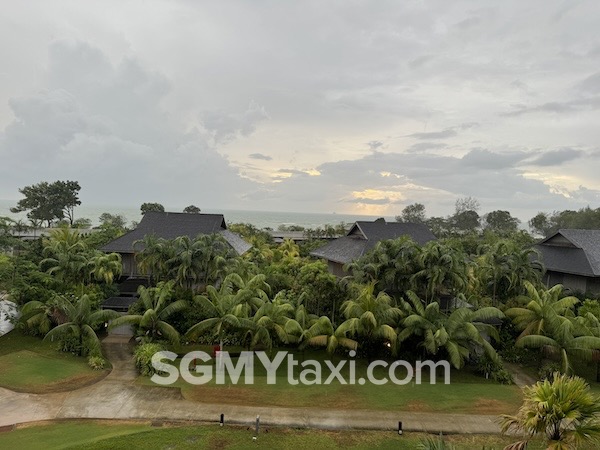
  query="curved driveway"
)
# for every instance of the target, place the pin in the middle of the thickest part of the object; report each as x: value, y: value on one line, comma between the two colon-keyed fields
x: 118, y: 397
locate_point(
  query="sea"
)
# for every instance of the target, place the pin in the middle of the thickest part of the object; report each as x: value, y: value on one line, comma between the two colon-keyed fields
x: 260, y: 219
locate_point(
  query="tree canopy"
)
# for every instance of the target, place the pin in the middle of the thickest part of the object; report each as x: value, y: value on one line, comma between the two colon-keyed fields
x: 46, y: 202
x: 147, y: 207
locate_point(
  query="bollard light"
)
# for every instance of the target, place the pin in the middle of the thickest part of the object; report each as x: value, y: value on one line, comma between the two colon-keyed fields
x: 222, y: 419
x: 400, y: 428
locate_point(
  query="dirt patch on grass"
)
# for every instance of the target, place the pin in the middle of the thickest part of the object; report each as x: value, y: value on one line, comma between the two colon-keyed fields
x: 490, y: 406
x: 418, y: 406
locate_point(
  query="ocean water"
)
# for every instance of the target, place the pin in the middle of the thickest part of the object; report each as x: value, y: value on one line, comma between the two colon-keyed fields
x: 260, y: 219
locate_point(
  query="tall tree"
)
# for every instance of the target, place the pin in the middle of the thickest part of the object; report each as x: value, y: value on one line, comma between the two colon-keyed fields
x: 500, y: 222
x: 192, y: 209
x: 414, y: 213
x: 46, y: 202
x: 155, y: 207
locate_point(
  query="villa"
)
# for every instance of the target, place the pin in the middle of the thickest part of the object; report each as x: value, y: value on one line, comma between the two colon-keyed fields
x: 572, y: 258
x: 363, y: 236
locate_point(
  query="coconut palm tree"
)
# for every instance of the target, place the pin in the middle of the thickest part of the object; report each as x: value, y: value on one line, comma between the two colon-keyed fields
x: 505, y: 266
x: 66, y: 256
x: 455, y: 333
x: 322, y: 333
x: 563, y: 410
x: 444, y: 270
x: 40, y: 317
x: 106, y: 267
x: 220, y: 308
x: 157, y: 307
x: 543, y: 310
x: 370, y: 318
x: 391, y: 264
x: 248, y: 295
x: 152, y: 256
x: 565, y: 343
x: 274, y: 319
x: 81, y: 323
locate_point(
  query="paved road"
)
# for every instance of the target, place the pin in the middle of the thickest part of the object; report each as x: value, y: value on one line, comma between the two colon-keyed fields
x: 118, y: 397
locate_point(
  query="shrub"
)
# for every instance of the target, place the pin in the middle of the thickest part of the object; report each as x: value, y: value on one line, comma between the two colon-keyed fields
x: 96, y: 362
x: 502, y: 376
x: 143, y: 357
x: 547, y: 370
x: 69, y: 344
x: 494, y: 370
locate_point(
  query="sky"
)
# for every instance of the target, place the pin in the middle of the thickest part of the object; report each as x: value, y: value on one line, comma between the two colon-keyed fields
x: 354, y: 107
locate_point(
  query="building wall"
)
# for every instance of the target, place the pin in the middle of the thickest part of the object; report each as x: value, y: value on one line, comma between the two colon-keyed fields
x: 130, y: 267
x: 575, y: 283
x: 336, y: 269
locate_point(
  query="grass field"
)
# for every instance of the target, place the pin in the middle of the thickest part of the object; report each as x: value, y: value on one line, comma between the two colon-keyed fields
x: 28, y: 364
x: 468, y: 392
x: 97, y: 435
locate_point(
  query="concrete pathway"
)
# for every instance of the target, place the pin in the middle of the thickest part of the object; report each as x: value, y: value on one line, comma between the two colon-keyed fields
x: 118, y: 397
x: 520, y: 377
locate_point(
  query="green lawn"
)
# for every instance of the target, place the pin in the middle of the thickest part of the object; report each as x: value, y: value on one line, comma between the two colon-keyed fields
x: 468, y: 393
x: 28, y: 364
x: 96, y: 435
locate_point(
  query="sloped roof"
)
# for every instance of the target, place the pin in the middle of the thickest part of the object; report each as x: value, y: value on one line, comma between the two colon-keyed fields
x: 572, y: 251
x: 363, y: 236
x: 169, y: 225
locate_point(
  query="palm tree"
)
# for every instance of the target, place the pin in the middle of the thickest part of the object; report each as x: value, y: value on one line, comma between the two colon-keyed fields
x: 220, y: 308
x: 505, y: 266
x: 321, y: 333
x: 370, y: 318
x: 40, y: 317
x: 444, y: 269
x: 563, y: 410
x: 66, y: 256
x: 157, y: 308
x: 248, y: 295
x: 564, y: 343
x: 275, y: 319
x: 187, y: 262
x: 106, y: 267
x: 455, y: 333
x: 81, y: 322
x: 543, y: 310
x: 391, y: 264
x: 153, y: 256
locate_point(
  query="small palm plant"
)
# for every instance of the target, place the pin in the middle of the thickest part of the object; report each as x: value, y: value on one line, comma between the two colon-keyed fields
x: 157, y: 308
x: 81, y: 322
x: 563, y: 410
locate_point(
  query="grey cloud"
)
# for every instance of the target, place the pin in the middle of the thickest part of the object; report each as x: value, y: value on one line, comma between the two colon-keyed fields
x: 424, y: 146
x: 591, y: 84
x: 374, y: 145
x: 369, y: 201
x: 486, y: 159
x: 226, y: 127
x: 260, y: 156
x: 106, y: 122
x: 556, y: 157
x: 434, y: 134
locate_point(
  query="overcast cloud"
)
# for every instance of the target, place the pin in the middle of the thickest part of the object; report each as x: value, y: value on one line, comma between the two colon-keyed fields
x: 346, y: 106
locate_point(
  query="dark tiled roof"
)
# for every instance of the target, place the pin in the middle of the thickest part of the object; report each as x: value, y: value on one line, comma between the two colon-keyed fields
x: 168, y: 225
x: 581, y: 258
x: 349, y: 248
